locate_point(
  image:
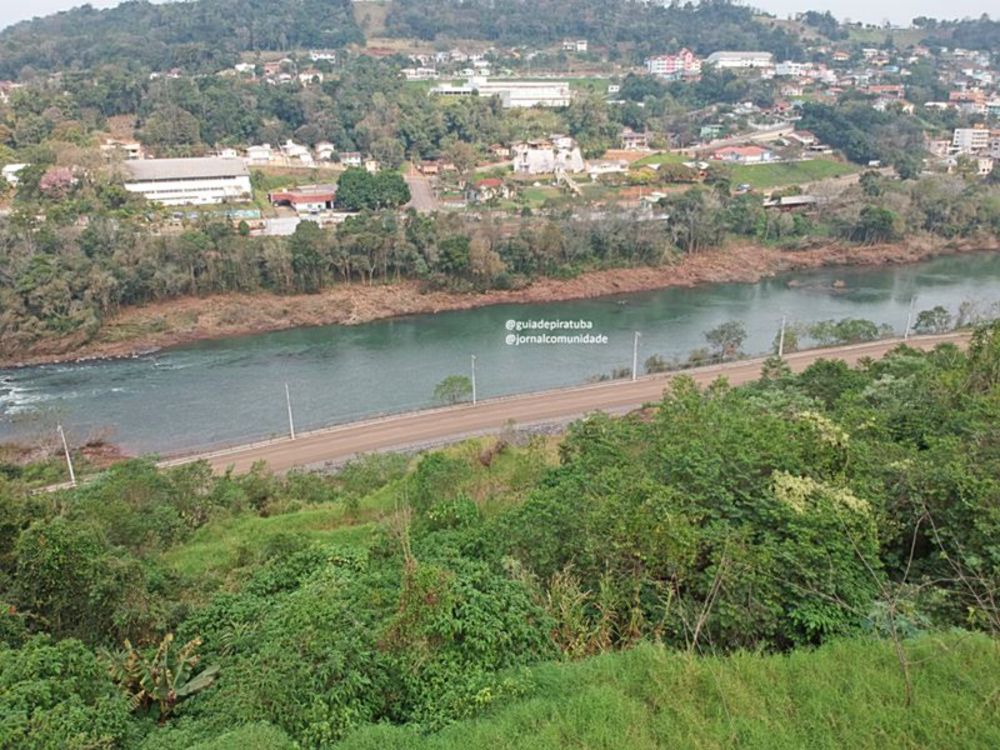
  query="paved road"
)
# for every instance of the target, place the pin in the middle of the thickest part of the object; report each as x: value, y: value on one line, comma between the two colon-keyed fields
x: 437, y: 426
x: 421, y: 193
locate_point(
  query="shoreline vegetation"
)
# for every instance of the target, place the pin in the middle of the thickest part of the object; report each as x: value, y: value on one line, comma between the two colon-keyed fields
x: 148, y: 328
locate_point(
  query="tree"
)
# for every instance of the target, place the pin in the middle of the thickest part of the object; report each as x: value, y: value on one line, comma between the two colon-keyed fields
x: 727, y: 338
x: 453, y: 389
x: 358, y: 190
x: 935, y: 320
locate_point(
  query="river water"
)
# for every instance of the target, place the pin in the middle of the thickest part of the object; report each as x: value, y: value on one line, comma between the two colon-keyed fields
x: 233, y: 390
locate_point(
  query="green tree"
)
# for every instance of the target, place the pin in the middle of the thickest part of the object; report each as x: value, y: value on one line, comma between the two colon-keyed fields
x: 727, y: 338
x: 453, y: 389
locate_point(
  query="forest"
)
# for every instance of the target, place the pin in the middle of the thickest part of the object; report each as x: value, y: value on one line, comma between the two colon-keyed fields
x: 201, y: 36
x: 814, y: 552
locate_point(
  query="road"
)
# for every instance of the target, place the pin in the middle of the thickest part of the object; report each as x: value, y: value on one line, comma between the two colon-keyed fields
x: 421, y: 193
x: 438, y: 426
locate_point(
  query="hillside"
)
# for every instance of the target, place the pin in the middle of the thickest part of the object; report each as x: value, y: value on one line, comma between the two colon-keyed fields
x: 195, y: 35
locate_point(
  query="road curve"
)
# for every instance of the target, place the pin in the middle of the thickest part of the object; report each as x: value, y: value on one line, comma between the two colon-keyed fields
x: 437, y: 426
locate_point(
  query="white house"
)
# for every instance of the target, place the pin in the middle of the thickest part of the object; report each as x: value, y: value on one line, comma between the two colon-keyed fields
x: 10, y: 171
x: 575, y: 45
x: 259, y: 155
x: 684, y: 63
x: 175, y: 182
x: 325, y: 151
x: 557, y: 154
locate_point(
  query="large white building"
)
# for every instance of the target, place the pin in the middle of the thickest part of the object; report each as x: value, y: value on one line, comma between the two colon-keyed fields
x: 513, y: 93
x: 176, y: 182
x: 970, y: 140
x: 725, y: 59
x: 554, y: 155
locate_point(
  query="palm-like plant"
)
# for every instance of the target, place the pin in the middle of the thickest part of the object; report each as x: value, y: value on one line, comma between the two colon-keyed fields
x: 166, y: 678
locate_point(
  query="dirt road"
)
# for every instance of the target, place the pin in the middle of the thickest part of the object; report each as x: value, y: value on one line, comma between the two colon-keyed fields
x: 437, y: 426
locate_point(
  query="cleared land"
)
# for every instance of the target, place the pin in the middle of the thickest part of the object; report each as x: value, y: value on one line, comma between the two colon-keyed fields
x: 789, y: 173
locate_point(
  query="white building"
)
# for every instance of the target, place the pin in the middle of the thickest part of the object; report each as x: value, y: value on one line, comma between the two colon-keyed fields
x: 513, y: 93
x: 575, y: 45
x: 557, y: 154
x: 419, y: 74
x: 9, y: 173
x: 738, y: 60
x: 970, y: 140
x: 175, y: 182
x: 259, y: 155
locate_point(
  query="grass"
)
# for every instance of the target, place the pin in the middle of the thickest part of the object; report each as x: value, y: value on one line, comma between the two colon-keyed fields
x: 789, y: 173
x: 847, y: 694
x: 661, y: 158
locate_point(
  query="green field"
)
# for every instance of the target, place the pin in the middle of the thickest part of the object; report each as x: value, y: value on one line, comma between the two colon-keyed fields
x: 849, y: 694
x: 661, y: 158
x: 791, y: 173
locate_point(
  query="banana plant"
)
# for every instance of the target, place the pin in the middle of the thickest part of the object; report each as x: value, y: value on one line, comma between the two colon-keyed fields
x: 165, y: 679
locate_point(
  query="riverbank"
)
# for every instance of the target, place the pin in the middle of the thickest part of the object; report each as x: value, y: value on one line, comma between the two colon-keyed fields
x: 175, y: 322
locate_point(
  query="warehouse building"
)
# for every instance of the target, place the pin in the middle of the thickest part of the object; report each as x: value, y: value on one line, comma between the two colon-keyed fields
x: 177, y: 182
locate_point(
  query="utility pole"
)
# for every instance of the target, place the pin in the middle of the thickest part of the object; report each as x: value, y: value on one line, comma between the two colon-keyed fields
x: 909, y: 319
x: 635, y: 356
x: 288, y: 403
x: 69, y: 461
x: 781, y: 337
x: 473, y: 379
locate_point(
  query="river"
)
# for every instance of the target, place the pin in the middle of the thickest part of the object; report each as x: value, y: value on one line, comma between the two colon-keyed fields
x: 233, y: 390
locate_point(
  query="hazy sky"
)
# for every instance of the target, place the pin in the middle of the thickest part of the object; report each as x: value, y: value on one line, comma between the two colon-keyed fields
x: 872, y: 11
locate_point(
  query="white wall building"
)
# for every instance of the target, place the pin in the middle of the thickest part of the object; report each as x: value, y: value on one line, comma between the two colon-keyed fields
x: 684, y: 63
x: 513, y: 93
x: 726, y: 59
x: 970, y: 140
x: 9, y: 173
x: 176, y: 182
x: 558, y: 154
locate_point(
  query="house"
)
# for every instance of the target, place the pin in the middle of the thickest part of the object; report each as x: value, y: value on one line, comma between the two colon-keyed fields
x: 490, y: 188
x: 175, y: 182
x: 326, y: 55
x: 726, y: 60
x: 429, y: 168
x: 684, y: 63
x: 984, y: 165
x: 743, y: 154
x: 419, y: 74
x: 633, y: 141
x: 324, y: 151
x: 296, y: 154
x: 125, y: 149
x: 10, y: 171
x: 259, y: 155
x: 499, y: 150
x: 611, y: 166
x: 554, y: 155
x: 791, y: 202
x: 371, y: 165
x: 804, y: 137
x: 309, y: 199
x: 512, y: 93
x: 310, y: 76
x: 350, y: 158
x: 574, y: 45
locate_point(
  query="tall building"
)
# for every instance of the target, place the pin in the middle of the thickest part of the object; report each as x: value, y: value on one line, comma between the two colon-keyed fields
x: 684, y: 63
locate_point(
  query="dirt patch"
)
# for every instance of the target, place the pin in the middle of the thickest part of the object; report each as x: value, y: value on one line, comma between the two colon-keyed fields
x: 163, y: 324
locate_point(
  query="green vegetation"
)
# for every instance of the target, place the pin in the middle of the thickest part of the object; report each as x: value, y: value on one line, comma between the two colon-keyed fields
x: 808, y: 560
x: 762, y: 176
x: 845, y: 694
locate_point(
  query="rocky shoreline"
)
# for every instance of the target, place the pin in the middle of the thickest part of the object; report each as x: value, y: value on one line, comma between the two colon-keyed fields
x: 140, y: 331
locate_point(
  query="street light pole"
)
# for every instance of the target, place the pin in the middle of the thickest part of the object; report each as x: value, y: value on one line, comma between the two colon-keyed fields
x: 781, y: 337
x: 291, y: 422
x: 473, y: 379
x: 69, y: 461
x: 909, y: 319
x: 635, y: 356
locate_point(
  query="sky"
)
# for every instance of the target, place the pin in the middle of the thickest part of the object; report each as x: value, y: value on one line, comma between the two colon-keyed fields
x: 869, y: 11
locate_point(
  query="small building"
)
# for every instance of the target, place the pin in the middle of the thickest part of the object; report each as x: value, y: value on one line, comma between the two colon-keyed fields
x: 575, y: 45
x: 970, y: 140
x: 743, y: 154
x: 490, y: 188
x: 176, y: 182
x: 259, y: 155
x: 325, y: 151
x: 633, y: 141
x: 610, y: 166
x: 10, y: 172
x: 350, y: 158
x: 124, y: 149
x: 512, y: 93
x: 308, y: 199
